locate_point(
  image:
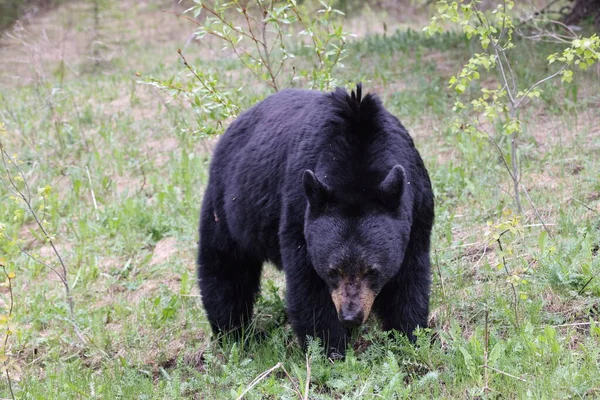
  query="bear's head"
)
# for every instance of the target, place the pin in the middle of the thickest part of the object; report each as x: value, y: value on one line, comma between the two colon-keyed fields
x: 356, y: 243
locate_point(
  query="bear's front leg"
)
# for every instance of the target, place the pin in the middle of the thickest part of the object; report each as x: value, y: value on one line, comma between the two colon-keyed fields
x: 229, y: 278
x: 311, y: 309
x: 403, y: 303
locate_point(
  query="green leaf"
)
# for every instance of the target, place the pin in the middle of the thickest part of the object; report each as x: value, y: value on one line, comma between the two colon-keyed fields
x: 567, y: 76
x: 469, y: 362
x: 542, y: 239
x: 496, y: 353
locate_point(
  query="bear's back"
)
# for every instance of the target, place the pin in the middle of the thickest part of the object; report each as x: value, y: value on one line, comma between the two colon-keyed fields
x: 257, y: 166
x: 248, y: 167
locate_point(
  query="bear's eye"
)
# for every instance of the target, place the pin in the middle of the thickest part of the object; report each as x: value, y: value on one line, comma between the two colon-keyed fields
x: 371, y: 272
x: 333, y: 273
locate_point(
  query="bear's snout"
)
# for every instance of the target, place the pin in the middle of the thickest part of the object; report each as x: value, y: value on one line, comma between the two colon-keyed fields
x: 353, y: 302
x: 351, y: 316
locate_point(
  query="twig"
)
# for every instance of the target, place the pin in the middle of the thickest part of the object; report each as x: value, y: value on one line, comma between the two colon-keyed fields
x: 294, y: 384
x: 62, y: 279
x: 437, y: 265
x: 587, y: 283
x: 10, y: 311
x: 516, y: 165
x: 537, y: 212
x: 538, y: 12
x: 233, y: 28
x: 210, y: 89
x: 504, y: 373
x: 504, y: 79
x: 259, y: 378
x: 496, y: 145
x: 483, y: 252
x: 265, y: 58
x: 178, y: 15
x: 485, y: 354
x: 27, y: 200
x: 510, y: 71
x: 514, y: 290
x: 576, y: 324
x: 585, y: 205
x: 538, y: 83
x: 307, y: 383
x: 87, y: 170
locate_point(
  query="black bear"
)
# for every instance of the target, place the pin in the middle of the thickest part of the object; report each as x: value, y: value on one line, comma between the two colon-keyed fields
x: 329, y: 188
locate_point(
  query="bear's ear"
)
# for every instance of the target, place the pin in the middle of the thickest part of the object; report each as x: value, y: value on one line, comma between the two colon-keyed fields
x: 392, y: 187
x: 316, y: 192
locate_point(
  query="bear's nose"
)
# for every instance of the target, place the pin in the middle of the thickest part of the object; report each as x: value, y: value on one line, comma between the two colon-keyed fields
x: 351, y: 318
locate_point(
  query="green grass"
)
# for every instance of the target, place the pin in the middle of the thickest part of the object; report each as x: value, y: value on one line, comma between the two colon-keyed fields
x: 127, y: 171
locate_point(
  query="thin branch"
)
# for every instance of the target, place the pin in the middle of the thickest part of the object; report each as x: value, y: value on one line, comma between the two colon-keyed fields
x: 232, y: 27
x: 504, y: 79
x: 504, y: 373
x: 514, y: 290
x: 536, y: 212
x: 210, y: 89
x: 27, y: 200
x: 539, y: 12
x: 256, y: 42
x: 485, y: 352
x: 312, y: 36
x: 510, y: 71
x: 265, y: 58
x: 16, y: 191
x: 294, y: 384
x: 34, y: 258
x: 587, y: 283
x: 437, y: 264
x: 576, y: 324
x: 8, y: 187
x: 538, y: 83
x: 259, y: 378
x: 182, y: 16
x: 7, y: 335
x: 87, y: 170
x: 585, y: 205
x: 307, y: 383
x: 497, y: 146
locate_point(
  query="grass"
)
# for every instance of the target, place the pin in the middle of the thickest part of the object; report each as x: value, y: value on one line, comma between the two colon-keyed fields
x: 126, y: 172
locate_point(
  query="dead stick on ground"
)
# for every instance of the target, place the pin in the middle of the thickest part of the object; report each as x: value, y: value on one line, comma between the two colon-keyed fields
x: 87, y: 170
x: 292, y: 381
x: 577, y: 324
x: 307, y: 384
x: 485, y: 354
x: 259, y: 378
x: 504, y: 373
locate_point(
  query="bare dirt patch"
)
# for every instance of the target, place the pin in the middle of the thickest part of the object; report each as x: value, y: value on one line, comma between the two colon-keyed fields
x: 128, y: 184
x: 445, y: 63
x: 37, y: 46
x: 551, y: 130
x: 160, y: 149
x: 164, y: 250
x: 393, y: 15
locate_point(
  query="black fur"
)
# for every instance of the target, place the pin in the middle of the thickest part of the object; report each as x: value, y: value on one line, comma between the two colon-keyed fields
x: 322, y: 185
